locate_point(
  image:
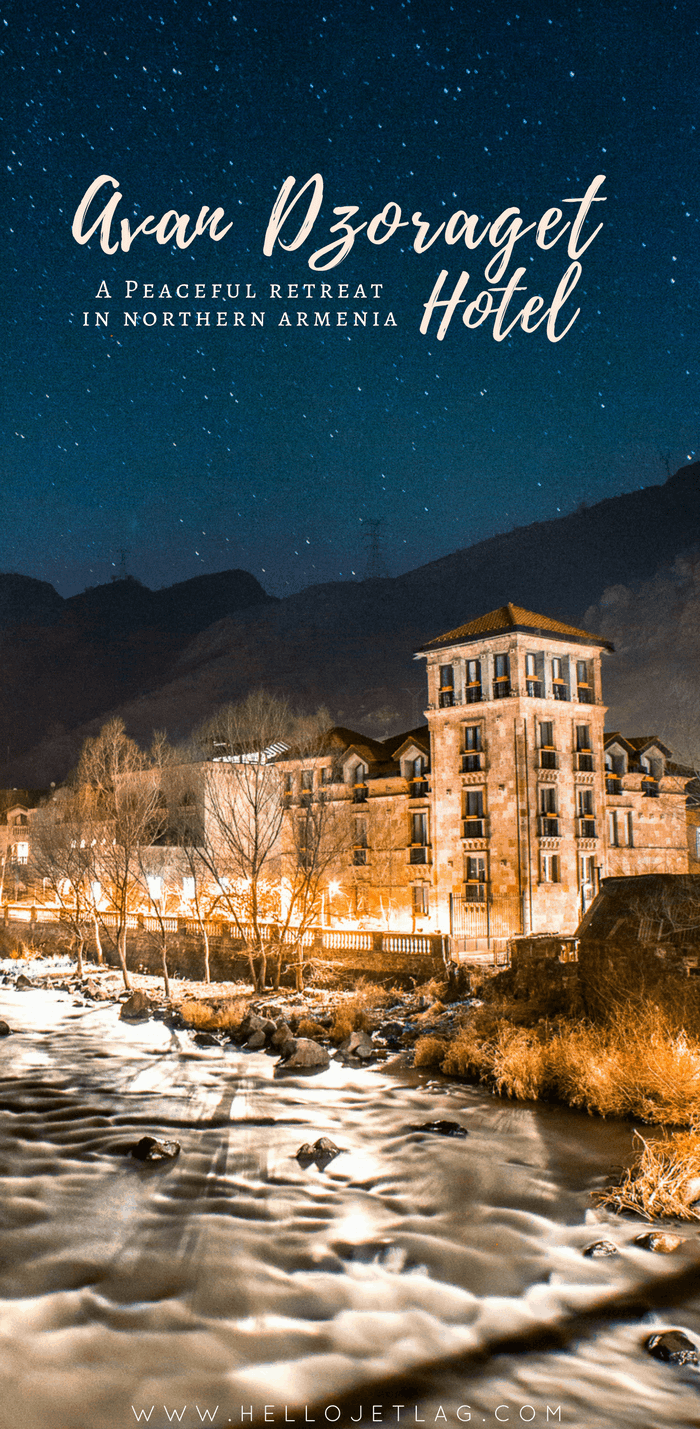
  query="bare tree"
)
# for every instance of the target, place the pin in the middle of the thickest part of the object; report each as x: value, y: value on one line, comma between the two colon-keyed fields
x: 125, y: 784
x: 62, y: 848
x: 250, y: 838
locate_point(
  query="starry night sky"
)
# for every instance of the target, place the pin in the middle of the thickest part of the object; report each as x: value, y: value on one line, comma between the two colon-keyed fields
x: 280, y: 449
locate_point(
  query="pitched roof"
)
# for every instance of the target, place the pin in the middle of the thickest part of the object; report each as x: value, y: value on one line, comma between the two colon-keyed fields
x: 515, y: 617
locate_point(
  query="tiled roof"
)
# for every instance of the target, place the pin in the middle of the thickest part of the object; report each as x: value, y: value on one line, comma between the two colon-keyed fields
x: 514, y: 617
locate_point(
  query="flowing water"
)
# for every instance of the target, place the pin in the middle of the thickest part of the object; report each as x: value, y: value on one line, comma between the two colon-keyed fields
x: 441, y: 1275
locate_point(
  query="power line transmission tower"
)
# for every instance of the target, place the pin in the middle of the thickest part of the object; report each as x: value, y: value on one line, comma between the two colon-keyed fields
x: 376, y: 567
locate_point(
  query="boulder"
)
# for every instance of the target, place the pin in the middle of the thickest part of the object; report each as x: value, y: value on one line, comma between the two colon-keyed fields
x: 256, y: 1041
x: 661, y: 1242
x: 358, y: 1044
x: 282, y: 1034
x: 23, y: 981
x: 441, y: 1128
x: 4, y: 1028
x: 672, y: 1346
x: 599, y: 1249
x: 304, y: 1053
x: 150, y: 1149
x: 321, y: 1152
x: 136, y: 1006
x: 252, y: 1023
x: 206, y: 1039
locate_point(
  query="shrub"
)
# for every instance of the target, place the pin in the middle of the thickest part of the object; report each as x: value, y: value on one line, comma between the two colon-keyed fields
x: 308, y: 1028
x: 226, y: 1015
x: 430, y: 1051
x: 353, y: 1014
x: 664, y: 1182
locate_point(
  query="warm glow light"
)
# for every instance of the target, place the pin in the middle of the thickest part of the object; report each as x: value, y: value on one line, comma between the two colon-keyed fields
x: 334, y: 888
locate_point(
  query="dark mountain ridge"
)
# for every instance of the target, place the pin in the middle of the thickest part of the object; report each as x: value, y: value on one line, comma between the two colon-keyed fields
x: 166, y: 658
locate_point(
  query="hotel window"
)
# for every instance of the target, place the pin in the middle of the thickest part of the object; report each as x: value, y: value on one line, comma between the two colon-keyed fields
x: 326, y: 774
x: 629, y: 829
x: 419, y: 838
x: 473, y: 679
x: 471, y: 758
x: 584, y: 750
x: 473, y: 814
x: 360, y: 784
x: 549, y: 868
x: 533, y: 675
x: 188, y: 889
x: 549, y: 823
x: 421, y: 900
x: 501, y: 676
x: 288, y: 787
x: 548, y: 754
x: 447, y: 687
x: 359, y: 848
x: 560, y: 687
x: 586, y: 814
x: 307, y: 784
x: 474, y: 879
x: 21, y: 853
x: 417, y: 778
x: 613, y: 831
x: 584, y: 682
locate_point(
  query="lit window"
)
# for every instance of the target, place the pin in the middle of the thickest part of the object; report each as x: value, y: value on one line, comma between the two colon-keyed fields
x: 155, y: 887
x: 188, y: 889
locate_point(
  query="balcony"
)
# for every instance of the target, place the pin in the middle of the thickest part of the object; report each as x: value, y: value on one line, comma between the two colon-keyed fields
x: 650, y: 787
x: 585, y: 762
x: 548, y: 826
x: 585, y: 694
x: 418, y: 853
x: 359, y: 794
x: 501, y: 687
x: 473, y: 828
x: 548, y: 759
x: 586, y: 828
x: 418, y: 788
x: 560, y: 691
x: 446, y: 698
x: 613, y: 785
x: 471, y: 763
x: 473, y: 694
x: 534, y: 689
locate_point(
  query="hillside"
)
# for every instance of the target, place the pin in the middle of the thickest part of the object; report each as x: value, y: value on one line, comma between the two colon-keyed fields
x: 165, y: 659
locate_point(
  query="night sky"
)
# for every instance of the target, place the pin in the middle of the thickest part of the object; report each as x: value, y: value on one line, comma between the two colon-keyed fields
x: 307, y: 454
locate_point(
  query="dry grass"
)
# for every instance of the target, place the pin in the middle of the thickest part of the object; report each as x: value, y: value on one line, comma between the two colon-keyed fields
x: 430, y: 1051
x: 635, y: 1066
x: 664, y: 1182
x: 226, y: 1015
x: 308, y: 1028
x: 354, y: 1013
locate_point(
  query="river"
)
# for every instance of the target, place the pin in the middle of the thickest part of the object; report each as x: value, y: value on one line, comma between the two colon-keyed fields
x: 438, y: 1274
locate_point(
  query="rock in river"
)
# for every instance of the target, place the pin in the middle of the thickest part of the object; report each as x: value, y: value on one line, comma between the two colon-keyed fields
x: 672, y: 1346
x: 599, y: 1249
x: 4, y: 1028
x: 138, y: 1005
x: 358, y: 1044
x: 303, y: 1053
x: 150, y: 1149
x: 441, y: 1128
x: 659, y: 1241
x: 322, y: 1151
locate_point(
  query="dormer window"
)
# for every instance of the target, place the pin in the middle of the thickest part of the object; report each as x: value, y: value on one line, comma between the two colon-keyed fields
x: 360, y: 790
x: 501, y: 677
x: 473, y: 679
x: 417, y: 778
x: 447, y: 687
